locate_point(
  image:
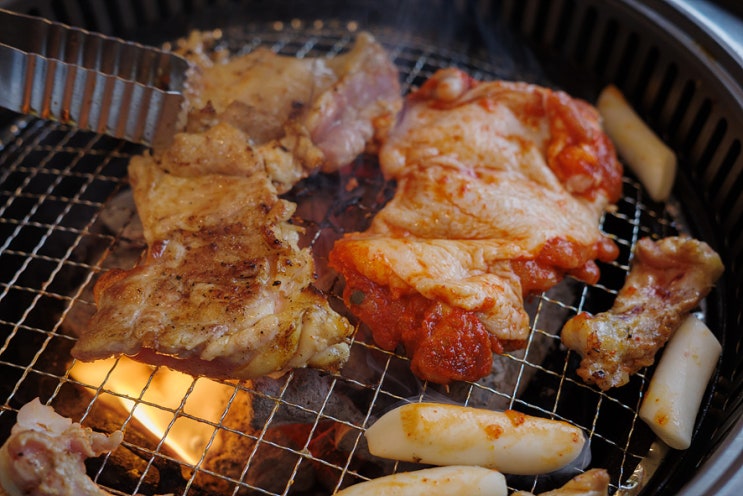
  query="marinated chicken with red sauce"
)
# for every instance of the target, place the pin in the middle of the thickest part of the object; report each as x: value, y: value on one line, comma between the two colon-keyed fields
x: 46, y: 452
x: 500, y: 190
x: 668, y: 279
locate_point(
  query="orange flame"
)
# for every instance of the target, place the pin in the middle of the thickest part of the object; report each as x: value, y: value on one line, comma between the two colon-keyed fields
x: 186, y: 428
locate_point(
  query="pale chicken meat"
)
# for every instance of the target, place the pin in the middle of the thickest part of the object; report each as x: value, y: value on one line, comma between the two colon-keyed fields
x: 224, y: 289
x: 668, y: 279
x: 45, y: 454
x: 301, y: 114
x: 500, y: 190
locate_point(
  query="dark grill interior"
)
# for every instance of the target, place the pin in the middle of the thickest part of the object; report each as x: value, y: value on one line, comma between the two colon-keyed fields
x: 59, y: 190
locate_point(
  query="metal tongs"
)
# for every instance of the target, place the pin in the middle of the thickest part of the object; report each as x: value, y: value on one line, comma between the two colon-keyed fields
x: 89, y: 80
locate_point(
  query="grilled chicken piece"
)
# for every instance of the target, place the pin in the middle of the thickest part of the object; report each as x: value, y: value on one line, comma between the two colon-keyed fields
x: 45, y: 454
x: 224, y: 290
x: 301, y: 114
x: 667, y: 280
x: 501, y: 187
x: 594, y: 482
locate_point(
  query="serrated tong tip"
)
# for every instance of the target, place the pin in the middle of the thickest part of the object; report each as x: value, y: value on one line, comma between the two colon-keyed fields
x: 90, y: 81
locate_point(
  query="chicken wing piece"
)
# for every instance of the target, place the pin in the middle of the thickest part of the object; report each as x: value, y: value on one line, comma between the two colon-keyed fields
x: 500, y: 189
x: 224, y: 290
x: 45, y: 454
x: 301, y: 114
x: 667, y: 280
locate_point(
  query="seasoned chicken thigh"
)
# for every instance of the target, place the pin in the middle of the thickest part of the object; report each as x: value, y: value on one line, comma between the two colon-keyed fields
x: 500, y: 189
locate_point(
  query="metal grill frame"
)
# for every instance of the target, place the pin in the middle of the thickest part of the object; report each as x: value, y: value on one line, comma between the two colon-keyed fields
x: 26, y: 139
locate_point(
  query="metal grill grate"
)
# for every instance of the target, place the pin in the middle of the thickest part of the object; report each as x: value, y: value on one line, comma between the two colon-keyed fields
x: 65, y: 217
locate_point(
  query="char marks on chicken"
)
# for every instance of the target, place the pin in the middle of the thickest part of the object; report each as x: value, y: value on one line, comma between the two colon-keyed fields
x: 668, y: 279
x: 224, y: 289
x: 500, y: 190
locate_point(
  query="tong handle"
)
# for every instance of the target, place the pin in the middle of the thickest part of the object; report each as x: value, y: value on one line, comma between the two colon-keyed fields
x: 89, y: 80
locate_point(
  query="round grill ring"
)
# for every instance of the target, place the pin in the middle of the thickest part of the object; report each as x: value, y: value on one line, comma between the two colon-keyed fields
x: 55, y: 183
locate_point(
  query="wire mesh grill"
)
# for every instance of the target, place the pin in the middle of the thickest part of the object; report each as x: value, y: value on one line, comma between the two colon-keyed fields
x: 66, y: 217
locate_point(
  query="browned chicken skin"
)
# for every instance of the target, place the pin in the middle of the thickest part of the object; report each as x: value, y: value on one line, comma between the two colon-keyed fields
x: 667, y: 280
x: 224, y: 289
